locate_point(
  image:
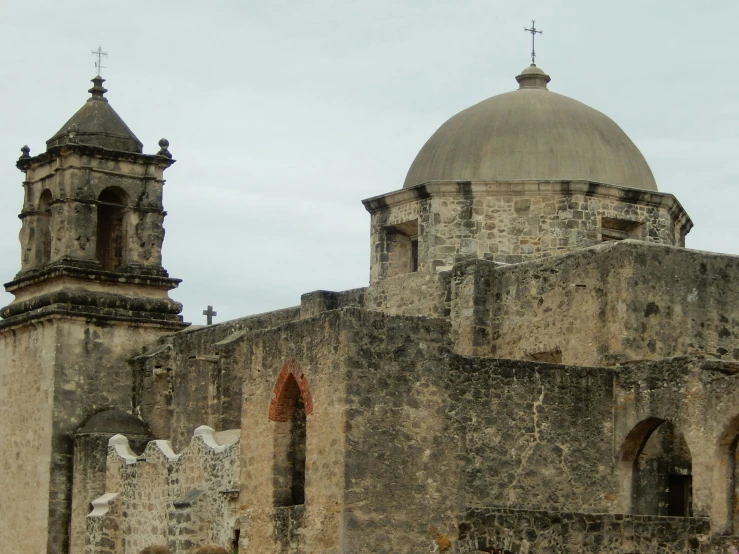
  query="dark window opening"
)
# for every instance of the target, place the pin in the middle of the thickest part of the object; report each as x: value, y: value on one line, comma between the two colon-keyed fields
x: 235, y: 541
x: 111, y: 230
x: 44, y: 228
x: 613, y: 229
x: 401, y: 248
x: 414, y: 254
x: 290, y: 438
x: 679, y: 491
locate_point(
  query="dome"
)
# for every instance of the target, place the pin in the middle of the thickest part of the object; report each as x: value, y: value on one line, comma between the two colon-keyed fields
x: 111, y: 422
x: 531, y: 134
x: 96, y: 123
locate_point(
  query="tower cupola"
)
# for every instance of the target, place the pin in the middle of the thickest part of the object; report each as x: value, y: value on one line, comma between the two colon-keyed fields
x: 92, y: 218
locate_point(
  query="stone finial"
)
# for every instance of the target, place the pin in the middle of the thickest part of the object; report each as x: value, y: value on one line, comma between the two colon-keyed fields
x: 98, y: 90
x: 72, y: 132
x: 25, y: 152
x: 164, y: 148
x: 532, y: 77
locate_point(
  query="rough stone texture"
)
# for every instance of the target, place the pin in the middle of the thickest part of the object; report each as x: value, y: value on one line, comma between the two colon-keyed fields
x: 26, y: 421
x: 196, y: 368
x: 404, y: 435
x: 513, y: 221
x: 417, y: 294
x: 76, y: 175
x: 527, y: 531
x: 185, y: 500
x: 89, y: 463
x: 601, y: 306
x: 380, y: 419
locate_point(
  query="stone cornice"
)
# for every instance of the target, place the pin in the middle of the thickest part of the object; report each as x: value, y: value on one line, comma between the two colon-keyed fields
x: 82, y: 271
x: 164, y: 308
x: 171, y: 323
x: 57, y: 151
x: 531, y: 188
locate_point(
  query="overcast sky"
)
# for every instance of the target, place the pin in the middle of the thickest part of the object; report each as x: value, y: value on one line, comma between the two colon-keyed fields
x: 283, y: 116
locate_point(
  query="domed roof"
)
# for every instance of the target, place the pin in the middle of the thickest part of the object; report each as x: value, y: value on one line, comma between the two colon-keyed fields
x: 113, y: 422
x: 96, y: 123
x: 531, y: 134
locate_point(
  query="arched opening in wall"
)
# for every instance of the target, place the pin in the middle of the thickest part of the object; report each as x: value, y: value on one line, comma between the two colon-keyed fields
x: 111, y: 229
x: 726, y: 479
x: 44, y: 228
x: 290, y: 405
x: 661, y: 469
x: 290, y: 436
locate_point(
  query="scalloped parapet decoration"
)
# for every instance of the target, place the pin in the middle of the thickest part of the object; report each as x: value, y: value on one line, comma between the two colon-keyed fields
x: 119, y: 445
x: 180, y: 499
x: 101, y: 505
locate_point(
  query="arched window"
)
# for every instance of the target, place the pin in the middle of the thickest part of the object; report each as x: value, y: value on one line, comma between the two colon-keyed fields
x: 43, y: 255
x: 725, y: 511
x: 661, y: 469
x: 290, y: 405
x: 111, y: 231
x: 289, y: 474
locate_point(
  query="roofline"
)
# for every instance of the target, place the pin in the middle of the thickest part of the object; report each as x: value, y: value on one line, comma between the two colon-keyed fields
x: 524, y: 187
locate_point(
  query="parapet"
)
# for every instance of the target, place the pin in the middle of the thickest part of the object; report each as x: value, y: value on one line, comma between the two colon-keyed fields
x: 184, y: 500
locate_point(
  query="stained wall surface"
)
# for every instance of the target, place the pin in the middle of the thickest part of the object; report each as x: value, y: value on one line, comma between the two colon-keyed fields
x: 600, y: 306
x: 27, y: 359
x: 513, y: 222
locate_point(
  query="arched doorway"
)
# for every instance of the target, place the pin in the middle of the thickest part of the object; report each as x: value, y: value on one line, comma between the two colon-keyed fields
x: 661, y: 469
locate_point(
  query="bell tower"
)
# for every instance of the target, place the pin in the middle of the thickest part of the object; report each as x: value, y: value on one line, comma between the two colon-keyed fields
x: 90, y: 294
x: 93, y: 214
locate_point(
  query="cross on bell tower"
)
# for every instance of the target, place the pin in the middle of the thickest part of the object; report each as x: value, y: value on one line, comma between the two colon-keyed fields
x: 100, y: 55
x: 534, y: 31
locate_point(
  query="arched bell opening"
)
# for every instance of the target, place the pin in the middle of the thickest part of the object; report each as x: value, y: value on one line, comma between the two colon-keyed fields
x: 111, y: 228
x: 43, y: 235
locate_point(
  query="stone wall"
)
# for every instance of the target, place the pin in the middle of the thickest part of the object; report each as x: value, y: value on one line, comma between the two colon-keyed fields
x: 181, y: 500
x: 194, y: 368
x: 528, y: 531
x: 699, y: 397
x: 311, y: 352
x: 512, y: 222
x: 403, y: 463
x: 417, y: 294
x: 26, y: 405
x: 600, y: 306
x: 403, y: 434
x: 536, y: 436
x: 56, y: 373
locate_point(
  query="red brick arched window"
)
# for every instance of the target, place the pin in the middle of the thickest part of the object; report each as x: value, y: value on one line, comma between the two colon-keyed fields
x: 290, y: 405
x: 291, y: 383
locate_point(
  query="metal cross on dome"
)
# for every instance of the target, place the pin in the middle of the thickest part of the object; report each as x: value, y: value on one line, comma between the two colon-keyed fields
x: 99, y: 63
x: 534, y: 31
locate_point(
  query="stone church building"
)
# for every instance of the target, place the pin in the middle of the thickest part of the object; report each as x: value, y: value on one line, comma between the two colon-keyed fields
x: 537, y: 365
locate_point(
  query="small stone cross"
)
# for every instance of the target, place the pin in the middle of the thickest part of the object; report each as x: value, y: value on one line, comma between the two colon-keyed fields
x: 209, y: 313
x: 534, y: 31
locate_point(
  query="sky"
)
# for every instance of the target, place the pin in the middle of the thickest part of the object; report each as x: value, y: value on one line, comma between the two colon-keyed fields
x: 283, y: 116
